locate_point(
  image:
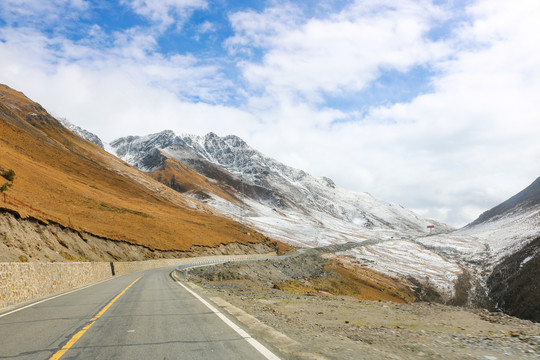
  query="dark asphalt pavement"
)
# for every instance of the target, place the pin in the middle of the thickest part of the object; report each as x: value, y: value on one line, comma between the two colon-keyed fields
x: 154, y: 319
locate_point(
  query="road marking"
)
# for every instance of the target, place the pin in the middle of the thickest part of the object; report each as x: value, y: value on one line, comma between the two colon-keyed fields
x: 257, y: 345
x: 78, y: 335
x: 53, y: 297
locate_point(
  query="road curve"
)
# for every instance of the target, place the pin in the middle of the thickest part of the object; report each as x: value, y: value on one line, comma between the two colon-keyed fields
x: 155, y: 318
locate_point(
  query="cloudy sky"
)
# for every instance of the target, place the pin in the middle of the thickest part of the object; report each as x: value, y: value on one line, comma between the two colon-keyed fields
x: 434, y: 105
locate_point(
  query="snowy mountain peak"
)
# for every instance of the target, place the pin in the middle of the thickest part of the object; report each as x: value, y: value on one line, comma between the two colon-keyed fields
x: 511, y: 224
x: 85, y: 134
x: 526, y: 200
x: 286, y: 203
x: 131, y: 148
x: 327, y: 182
x: 235, y: 142
x: 274, y: 190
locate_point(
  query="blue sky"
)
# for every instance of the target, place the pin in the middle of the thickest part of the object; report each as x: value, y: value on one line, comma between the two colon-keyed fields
x: 429, y: 104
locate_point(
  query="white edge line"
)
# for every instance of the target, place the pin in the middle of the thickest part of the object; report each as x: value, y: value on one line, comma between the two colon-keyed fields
x: 257, y: 345
x: 54, y: 297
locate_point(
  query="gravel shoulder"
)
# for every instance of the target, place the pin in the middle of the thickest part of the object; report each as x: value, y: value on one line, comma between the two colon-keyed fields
x: 322, y: 325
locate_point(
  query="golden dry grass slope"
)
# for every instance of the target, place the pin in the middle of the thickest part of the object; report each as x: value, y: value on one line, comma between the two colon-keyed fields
x: 63, y: 178
x: 184, y: 179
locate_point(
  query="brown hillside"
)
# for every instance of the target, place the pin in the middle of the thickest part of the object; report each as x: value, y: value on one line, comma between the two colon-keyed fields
x: 184, y: 179
x: 63, y: 178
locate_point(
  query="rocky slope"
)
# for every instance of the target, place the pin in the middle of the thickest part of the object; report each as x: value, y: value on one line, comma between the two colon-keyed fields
x: 512, y: 230
x: 33, y: 240
x: 514, y: 283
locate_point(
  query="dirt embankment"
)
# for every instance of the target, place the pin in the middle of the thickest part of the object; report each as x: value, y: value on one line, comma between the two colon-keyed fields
x: 32, y: 240
x: 316, y: 302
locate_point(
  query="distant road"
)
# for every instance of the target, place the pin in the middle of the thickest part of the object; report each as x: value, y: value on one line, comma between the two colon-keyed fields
x: 153, y: 318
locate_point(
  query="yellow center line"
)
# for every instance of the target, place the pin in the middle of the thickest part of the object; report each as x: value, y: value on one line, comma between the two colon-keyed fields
x: 78, y: 335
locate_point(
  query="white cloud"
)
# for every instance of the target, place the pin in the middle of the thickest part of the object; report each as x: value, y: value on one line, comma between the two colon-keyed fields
x: 450, y: 154
x: 444, y: 152
x: 114, y: 91
x: 254, y: 29
x: 132, y: 107
x: 40, y: 12
x: 131, y: 54
x: 206, y: 27
x: 343, y: 52
x: 166, y: 12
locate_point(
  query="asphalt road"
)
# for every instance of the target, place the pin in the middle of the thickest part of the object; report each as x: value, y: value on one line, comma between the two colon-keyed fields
x: 154, y: 318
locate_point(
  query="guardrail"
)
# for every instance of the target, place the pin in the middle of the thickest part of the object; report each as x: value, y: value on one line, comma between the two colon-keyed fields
x: 181, y: 271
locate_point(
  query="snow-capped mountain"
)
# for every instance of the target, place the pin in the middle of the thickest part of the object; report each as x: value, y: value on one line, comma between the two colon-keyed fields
x: 502, y: 249
x: 85, y: 134
x: 498, y: 232
x: 291, y: 205
x: 511, y: 224
x: 512, y: 231
x: 276, y: 196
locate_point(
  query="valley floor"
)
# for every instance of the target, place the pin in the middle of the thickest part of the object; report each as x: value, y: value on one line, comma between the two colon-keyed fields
x: 323, y: 326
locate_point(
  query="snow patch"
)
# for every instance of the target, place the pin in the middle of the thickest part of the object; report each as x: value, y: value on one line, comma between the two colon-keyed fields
x: 402, y: 258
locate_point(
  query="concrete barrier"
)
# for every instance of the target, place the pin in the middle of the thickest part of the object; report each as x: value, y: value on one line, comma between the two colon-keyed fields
x: 181, y: 271
x: 22, y: 282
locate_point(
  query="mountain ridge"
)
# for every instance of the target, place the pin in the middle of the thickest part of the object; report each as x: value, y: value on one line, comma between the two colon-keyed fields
x: 85, y: 134
x: 292, y: 206
x: 522, y: 201
x: 268, y: 181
